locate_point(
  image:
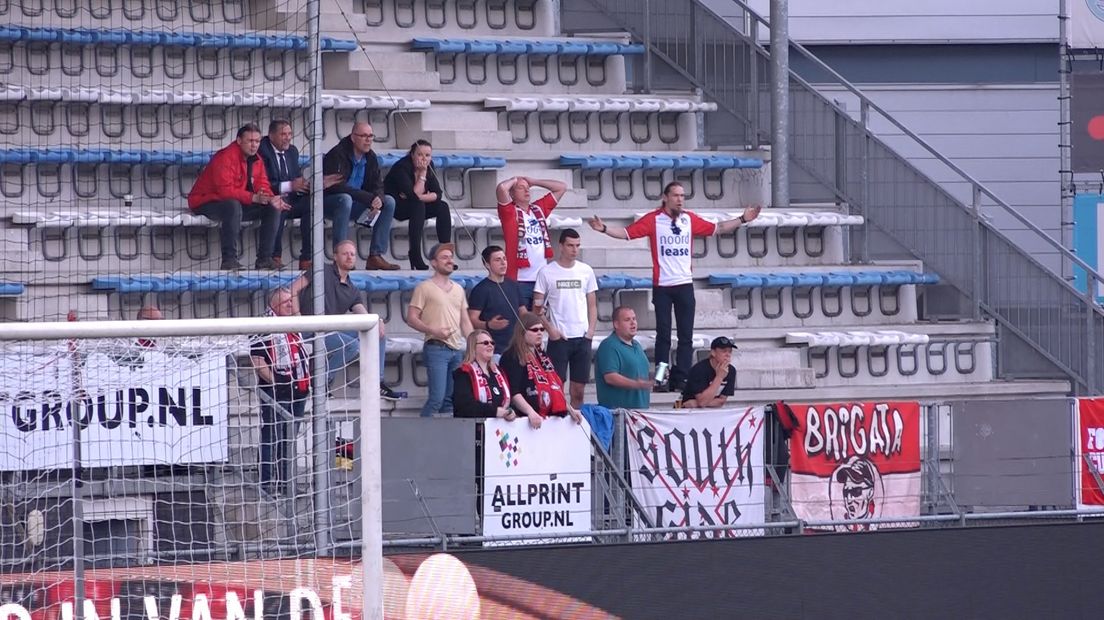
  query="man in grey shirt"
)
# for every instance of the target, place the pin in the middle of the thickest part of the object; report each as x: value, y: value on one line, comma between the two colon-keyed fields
x: 342, y: 297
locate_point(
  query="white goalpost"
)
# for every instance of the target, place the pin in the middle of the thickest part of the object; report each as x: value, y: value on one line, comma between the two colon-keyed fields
x: 91, y: 411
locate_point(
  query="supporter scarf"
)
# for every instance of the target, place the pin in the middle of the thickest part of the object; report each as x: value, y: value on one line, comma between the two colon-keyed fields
x: 550, y: 396
x: 522, y: 247
x: 481, y: 387
x: 289, y: 358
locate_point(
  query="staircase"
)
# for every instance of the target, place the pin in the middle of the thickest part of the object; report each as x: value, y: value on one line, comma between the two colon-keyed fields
x: 1038, y: 313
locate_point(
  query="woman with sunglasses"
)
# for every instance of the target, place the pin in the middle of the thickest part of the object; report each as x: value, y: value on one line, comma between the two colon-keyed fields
x: 529, y: 370
x: 479, y: 389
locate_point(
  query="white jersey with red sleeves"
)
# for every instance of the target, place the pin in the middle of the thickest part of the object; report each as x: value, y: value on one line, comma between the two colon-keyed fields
x: 671, y: 242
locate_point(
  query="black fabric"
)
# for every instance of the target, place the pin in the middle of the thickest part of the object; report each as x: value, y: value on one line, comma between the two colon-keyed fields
x: 701, y: 375
x: 464, y: 402
x: 339, y: 160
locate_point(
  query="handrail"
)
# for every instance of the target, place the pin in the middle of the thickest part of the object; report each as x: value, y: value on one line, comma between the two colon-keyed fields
x: 1003, y: 281
x: 978, y: 185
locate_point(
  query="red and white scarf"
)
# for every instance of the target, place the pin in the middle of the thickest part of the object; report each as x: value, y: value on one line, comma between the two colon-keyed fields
x: 522, y: 247
x: 549, y: 386
x: 481, y: 386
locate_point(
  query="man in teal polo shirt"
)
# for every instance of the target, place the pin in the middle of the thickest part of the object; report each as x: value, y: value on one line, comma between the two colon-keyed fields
x: 621, y: 367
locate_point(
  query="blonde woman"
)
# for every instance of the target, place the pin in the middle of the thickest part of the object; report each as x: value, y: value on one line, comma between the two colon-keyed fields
x: 529, y: 370
x: 479, y: 389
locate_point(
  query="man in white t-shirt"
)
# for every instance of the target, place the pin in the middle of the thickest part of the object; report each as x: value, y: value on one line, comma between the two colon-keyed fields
x: 565, y: 296
x: 670, y: 231
x: 525, y: 229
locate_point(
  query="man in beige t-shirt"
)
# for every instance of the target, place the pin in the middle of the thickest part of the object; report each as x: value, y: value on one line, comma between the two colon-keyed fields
x: 439, y: 309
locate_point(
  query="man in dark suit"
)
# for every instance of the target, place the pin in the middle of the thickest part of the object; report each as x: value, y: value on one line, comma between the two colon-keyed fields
x: 281, y: 161
x: 355, y: 164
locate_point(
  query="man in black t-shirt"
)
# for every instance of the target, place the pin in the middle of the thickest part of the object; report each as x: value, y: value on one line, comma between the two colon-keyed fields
x: 495, y: 303
x: 712, y: 380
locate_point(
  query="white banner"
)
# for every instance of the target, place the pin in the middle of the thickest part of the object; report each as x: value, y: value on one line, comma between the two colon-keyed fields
x: 699, y: 468
x: 536, y: 481
x: 134, y: 405
x: 1086, y: 24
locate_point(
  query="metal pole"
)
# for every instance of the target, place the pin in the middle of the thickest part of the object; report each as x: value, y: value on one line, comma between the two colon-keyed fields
x: 371, y: 487
x: 780, y: 103
x: 76, y: 488
x: 753, y: 78
x: 647, y: 46
x: 1065, y: 164
x: 320, y: 423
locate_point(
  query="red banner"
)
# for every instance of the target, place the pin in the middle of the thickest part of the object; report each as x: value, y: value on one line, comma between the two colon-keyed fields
x: 855, y: 462
x: 1090, y: 451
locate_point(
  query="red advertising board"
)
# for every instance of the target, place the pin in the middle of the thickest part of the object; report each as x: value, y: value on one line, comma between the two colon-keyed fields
x: 1089, y: 447
x: 856, y: 462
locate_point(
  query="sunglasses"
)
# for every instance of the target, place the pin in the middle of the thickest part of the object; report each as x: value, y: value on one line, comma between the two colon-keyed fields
x: 486, y: 343
x: 536, y: 329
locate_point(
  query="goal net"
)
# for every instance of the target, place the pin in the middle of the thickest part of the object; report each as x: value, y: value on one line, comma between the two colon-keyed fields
x: 186, y: 469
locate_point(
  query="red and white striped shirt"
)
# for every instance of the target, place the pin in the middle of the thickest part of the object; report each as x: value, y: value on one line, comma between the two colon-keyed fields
x: 671, y: 241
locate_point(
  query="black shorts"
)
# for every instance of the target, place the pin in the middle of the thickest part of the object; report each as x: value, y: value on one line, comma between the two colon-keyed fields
x: 573, y: 353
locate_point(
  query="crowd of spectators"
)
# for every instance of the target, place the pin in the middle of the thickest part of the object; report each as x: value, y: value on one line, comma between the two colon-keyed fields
x: 520, y: 344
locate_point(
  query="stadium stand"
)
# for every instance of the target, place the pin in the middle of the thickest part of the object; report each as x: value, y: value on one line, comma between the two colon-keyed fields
x: 104, y: 128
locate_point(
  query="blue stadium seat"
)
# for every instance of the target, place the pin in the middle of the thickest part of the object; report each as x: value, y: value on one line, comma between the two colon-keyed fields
x: 11, y: 289
x: 150, y: 38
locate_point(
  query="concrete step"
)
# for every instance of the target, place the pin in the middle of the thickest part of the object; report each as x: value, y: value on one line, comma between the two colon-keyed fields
x: 452, y: 119
x: 340, y: 73
x: 388, y: 61
x: 471, y: 141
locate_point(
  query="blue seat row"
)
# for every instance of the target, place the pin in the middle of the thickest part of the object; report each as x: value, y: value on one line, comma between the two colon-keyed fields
x: 658, y: 162
x: 156, y: 38
x: 451, y: 160
x: 521, y: 47
x: 244, y: 282
x: 200, y: 158
x: 11, y: 289
x: 618, y: 281
x: 833, y: 279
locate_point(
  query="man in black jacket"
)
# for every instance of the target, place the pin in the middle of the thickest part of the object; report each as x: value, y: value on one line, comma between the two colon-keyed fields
x: 354, y: 161
x: 281, y: 162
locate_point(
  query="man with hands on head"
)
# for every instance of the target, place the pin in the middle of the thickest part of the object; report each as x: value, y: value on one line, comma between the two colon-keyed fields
x: 713, y: 379
x: 525, y: 228
x: 670, y: 231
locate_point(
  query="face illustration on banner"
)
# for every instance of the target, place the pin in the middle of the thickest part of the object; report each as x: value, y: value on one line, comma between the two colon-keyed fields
x: 855, y: 491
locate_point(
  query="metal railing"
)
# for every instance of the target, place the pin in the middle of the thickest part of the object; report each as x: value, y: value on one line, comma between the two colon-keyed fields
x: 847, y: 161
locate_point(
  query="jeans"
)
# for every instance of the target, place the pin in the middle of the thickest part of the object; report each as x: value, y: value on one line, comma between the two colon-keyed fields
x: 335, y: 207
x: 277, y: 433
x: 381, y: 230
x: 343, y: 348
x: 417, y: 212
x: 681, y: 297
x: 230, y: 214
x: 440, y: 361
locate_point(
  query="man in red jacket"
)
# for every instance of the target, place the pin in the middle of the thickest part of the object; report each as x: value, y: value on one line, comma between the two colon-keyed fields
x: 233, y: 187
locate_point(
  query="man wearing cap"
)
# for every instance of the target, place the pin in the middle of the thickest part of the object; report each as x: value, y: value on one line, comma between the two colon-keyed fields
x: 439, y: 310
x: 712, y: 380
x: 621, y: 367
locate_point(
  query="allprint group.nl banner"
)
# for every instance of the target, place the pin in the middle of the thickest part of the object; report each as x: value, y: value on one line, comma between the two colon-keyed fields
x: 856, y: 462
x: 699, y: 469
